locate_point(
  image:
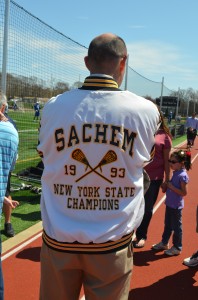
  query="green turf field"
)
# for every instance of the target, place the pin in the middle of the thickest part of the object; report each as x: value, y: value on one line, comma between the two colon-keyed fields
x: 28, y: 138
x: 28, y: 212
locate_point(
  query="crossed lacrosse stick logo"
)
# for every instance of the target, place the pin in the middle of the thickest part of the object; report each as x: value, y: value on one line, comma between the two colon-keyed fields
x: 108, y: 158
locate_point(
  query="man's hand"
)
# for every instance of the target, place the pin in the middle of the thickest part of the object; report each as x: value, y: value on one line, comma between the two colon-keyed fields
x: 2, y: 117
x: 11, y: 203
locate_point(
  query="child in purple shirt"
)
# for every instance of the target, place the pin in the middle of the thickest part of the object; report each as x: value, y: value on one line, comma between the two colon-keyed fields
x: 176, y: 190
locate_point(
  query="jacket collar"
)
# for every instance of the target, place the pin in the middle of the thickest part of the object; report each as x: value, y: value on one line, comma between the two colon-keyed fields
x: 98, y: 82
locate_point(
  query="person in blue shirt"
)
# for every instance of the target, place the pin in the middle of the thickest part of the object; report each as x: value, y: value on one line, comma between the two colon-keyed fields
x: 8, y: 150
x: 7, y: 209
x: 170, y: 116
x: 192, y: 127
x: 36, y: 111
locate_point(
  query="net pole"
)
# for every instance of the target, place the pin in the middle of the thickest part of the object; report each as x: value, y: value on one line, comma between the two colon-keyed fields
x: 178, y: 98
x: 126, y: 73
x: 161, y: 93
x: 5, y: 47
x: 194, y: 103
x: 187, y: 108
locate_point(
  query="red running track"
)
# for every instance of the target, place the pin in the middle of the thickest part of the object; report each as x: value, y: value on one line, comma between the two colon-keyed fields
x: 155, y: 276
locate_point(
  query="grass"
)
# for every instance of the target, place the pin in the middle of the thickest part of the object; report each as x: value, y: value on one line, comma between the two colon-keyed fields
x: 179, y: 140
x: 26, y: 214
x: 28, y: 138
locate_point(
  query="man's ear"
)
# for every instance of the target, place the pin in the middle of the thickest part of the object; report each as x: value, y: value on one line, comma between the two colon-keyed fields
x: 123, y: 63
x: 87, y: 64
x: 2, y: 109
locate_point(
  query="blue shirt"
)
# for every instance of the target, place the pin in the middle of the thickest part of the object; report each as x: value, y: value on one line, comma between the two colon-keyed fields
x: 192, y: 122
x: 8, y: 149
x: 173, y: 199
x: 36, y: 107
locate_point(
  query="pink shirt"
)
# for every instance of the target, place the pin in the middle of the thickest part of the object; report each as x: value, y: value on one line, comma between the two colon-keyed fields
x: 155, y: 169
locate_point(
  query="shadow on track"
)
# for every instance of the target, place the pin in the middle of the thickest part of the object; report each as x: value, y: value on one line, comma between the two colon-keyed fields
x: 32, y: 254
x: 176, y: 286
x: 142, y: 258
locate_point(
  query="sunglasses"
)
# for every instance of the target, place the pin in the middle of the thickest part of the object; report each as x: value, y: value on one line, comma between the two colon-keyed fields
x: 172, y: 161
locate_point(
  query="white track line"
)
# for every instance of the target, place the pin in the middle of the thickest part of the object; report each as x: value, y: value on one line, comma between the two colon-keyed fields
x: 8, y: 254
x: 159, y: 203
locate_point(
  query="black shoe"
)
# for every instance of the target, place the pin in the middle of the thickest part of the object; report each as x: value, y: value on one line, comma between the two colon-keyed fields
x: 9, y: 231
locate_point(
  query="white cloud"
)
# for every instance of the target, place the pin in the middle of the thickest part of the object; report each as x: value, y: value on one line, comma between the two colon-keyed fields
x: 154, y: 60
x: 152, y: 56
x: 42, y: 54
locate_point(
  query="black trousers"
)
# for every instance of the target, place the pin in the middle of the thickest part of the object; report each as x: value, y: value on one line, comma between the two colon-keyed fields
x: 191, y: 135
x: 150, y: 198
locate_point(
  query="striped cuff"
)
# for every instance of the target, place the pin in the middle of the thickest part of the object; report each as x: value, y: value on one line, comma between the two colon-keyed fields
x: 90, y: 248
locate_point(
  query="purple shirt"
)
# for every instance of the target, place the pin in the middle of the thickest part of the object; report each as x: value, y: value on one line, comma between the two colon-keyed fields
x: 174, y: 200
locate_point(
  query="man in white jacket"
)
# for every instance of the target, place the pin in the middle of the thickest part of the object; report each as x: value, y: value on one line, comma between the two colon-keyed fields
x: 92, y: 198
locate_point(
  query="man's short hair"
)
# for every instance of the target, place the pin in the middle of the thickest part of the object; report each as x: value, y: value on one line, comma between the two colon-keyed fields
x: 101, y: 49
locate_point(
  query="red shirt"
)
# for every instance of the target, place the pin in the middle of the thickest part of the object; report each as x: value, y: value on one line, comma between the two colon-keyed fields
x: 155, y: 169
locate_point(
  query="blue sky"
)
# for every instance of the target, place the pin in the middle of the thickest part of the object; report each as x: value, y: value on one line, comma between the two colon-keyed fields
x: 161, y: 36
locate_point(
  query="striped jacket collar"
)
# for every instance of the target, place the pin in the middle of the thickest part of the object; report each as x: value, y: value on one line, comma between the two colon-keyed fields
x: 97, y: 82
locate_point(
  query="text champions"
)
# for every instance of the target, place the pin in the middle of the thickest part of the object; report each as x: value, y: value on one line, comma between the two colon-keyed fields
x: 89, y: 197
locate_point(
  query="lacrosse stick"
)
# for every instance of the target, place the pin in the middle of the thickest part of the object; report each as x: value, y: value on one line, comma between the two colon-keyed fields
x: 109, y: 157
x: 80, y: 156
